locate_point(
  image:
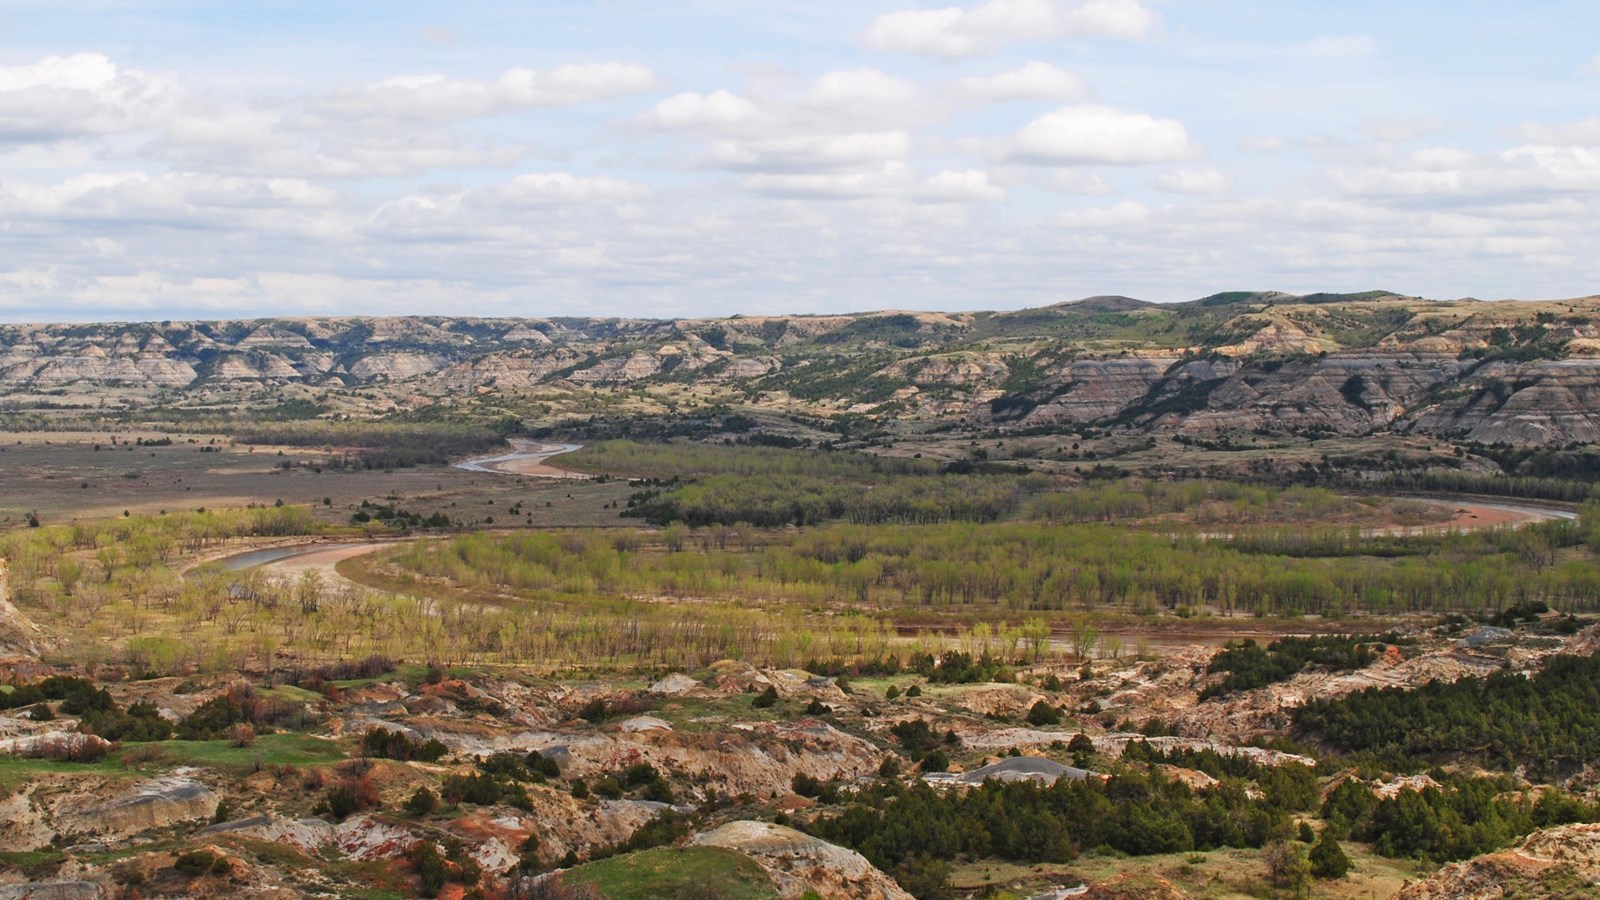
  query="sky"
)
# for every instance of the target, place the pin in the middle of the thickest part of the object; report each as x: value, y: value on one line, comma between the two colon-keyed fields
x: 177, y: 159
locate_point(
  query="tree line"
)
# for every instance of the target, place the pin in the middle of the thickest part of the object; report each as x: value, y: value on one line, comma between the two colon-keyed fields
x: 1133, y: 812
x: 708, y: 484
x: 1544, y: 723
x: 1459, y: 819
x: 1029, y: 568
x: 384, y: 445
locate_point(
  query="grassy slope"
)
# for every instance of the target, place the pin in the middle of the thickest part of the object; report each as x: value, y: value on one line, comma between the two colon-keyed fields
x: 271, y: 749
x: 1218, y: 875
x: 651, y: 874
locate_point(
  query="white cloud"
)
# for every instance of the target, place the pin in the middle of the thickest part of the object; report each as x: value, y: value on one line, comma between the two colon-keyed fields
x: 886, y: 180
x: 439, y: 98
x: 1101, y: 134
x: 1193, y: 181
x: 957, y: 32
x: 1077, y: 181
x: 352, y: 155
x: 1557, y: 168
x: 1585, y: 133
x: 1399, y: 129
x: 81, y: 95
x: 512, y: 212
x: 826, y: 151
x: 934, y: 31
x: 1107, y: 18
x: 856, y: 120
x: 165, y: 196
x: 1442, y: 159
x: 1398, y: 182
x: 967, y: 186
x: 858, y: 114
x: 889, y: 179
x: 1457, y: 176
x: 1118, y: 215
x: 563, y: 188
x: 1593, y: 67
x: 392, y: 128
x: 859, y: 92
x: 153, y: 291
x: 1343, y: 47
x: 1034, y: 81
x: 718, y: 111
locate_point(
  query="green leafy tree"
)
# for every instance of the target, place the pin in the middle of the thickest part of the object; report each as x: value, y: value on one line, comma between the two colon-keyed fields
x: 1288, y: 868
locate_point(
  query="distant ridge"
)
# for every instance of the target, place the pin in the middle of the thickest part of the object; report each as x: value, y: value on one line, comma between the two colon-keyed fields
x: 1106, y: 303
x: 1228, y: 298
x: 1364, y: 296
x: 1263, y: 361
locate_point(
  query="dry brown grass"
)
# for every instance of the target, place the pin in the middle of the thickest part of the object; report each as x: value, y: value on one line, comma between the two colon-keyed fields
x: 46, y: 472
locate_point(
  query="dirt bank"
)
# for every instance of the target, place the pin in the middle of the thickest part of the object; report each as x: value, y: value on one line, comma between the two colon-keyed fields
x: 528, y: 458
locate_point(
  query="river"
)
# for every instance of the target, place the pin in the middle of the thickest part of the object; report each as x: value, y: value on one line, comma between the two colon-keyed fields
x: 527, y: 458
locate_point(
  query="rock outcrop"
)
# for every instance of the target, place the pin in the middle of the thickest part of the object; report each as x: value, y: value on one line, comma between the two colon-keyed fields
x: 756, y: 758
x: 151, y: 805
x: 360, y: 838
x: 53, y: 890
x: 798, y: 863
x: 1553, y: 863
x: 1546, y: 402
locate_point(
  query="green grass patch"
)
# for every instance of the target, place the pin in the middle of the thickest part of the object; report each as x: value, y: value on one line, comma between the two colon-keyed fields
x: 32, y: 863
x: 266, y: 852
x: 371, y: 880
x: 16, y: 771
x: 692, y: 714
x: 268, y: 750
x: 662, y: 872
x: 291, y: 694
x: 380, y: 879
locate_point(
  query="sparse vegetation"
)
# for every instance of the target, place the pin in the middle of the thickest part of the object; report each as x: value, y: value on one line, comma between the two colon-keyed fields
x: 1249, y: 666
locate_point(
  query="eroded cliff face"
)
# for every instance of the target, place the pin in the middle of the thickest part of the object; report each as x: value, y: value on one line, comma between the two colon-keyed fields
x: 1092, y: 390
x: 1543, y: 402
x: 1556, y: 862
x: 1525, y: 403
x: 1519, y: 373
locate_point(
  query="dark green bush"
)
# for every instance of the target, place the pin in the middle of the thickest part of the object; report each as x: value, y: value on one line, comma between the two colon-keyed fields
x: 593, y: 711
x: 1328, y: 859
x: 201, y: 862
x: 422, y: 803
x: 386, y: 743
x: 1042, y: 713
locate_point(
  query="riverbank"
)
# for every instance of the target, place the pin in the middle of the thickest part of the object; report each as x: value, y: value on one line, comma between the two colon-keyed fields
x: 528, y: 459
